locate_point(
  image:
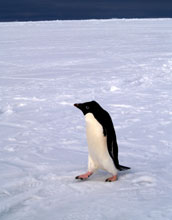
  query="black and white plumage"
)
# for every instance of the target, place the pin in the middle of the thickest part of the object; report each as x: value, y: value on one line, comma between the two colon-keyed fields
x: 101, y: 138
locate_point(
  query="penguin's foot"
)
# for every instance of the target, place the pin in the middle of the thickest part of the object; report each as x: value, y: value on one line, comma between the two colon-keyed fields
x: 84, y: 176
x: 111, y: 179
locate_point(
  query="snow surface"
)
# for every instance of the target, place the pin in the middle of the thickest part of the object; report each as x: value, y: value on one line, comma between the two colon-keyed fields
x: 45, y: 67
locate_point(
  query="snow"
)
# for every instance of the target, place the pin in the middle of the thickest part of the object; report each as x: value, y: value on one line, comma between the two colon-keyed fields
x: 45, y: 67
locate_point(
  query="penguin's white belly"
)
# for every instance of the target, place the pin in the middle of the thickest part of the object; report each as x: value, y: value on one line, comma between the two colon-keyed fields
x: 97, y: 145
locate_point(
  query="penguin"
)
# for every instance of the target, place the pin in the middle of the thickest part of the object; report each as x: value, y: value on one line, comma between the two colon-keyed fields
x: 102, y: 141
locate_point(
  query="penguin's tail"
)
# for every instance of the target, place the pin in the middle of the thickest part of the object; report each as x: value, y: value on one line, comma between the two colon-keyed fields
x: 122, y: 168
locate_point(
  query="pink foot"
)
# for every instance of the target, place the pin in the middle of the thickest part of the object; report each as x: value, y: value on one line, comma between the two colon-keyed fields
x: 111, y: 179
x: 84, y: 176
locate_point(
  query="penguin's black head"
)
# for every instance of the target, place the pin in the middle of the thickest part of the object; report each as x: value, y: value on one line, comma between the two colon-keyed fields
x: 88, y: 107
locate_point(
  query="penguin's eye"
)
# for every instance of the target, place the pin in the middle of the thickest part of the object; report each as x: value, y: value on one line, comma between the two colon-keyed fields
x: 87, y: 107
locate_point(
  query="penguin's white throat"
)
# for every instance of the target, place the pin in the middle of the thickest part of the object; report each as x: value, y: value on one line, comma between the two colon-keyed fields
x: 93, y: 127
x: 89, y: 117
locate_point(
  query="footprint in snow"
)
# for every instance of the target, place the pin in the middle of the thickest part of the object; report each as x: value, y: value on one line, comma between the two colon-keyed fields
x: 144, y: 180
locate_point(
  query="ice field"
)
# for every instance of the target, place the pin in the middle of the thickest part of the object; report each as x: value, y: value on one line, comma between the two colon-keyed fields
x: 46, y: 67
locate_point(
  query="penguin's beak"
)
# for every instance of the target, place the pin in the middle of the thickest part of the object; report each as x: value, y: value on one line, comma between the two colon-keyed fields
x: 76, y: 105
x: 79, y: 106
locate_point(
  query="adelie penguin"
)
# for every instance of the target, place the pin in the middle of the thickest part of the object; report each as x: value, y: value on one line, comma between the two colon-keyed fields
x: 102, y: 143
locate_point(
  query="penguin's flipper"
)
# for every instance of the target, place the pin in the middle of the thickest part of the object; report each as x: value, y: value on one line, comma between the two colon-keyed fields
x: 113, y: 151
x: 113, y: 148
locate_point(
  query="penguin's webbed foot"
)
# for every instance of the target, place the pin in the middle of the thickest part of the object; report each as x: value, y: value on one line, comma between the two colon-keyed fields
x: 111, y: 179
x: 84, y: 176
